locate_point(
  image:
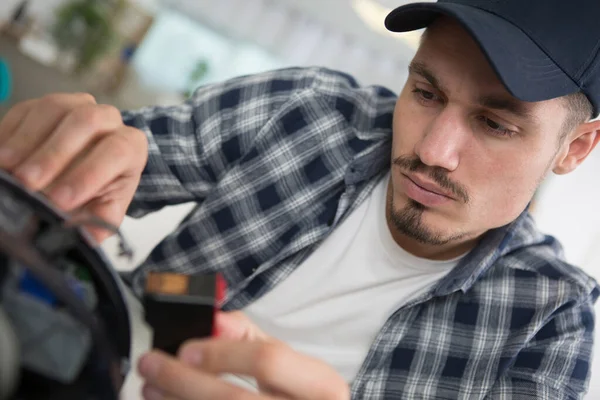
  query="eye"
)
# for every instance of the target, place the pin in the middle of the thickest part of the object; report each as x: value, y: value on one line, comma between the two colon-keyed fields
x: 425, y: 96
x: 495, y: 128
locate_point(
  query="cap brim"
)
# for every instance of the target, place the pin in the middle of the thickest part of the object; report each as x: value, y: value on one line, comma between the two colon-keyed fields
x: 524, y: 69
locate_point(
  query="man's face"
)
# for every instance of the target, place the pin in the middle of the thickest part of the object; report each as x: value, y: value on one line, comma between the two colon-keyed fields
x: 460, y: 134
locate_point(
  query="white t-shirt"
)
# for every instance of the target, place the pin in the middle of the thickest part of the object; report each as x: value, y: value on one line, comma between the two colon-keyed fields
x: 334, y: 304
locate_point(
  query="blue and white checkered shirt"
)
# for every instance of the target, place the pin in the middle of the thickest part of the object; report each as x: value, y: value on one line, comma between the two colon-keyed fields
x: 275, y: 161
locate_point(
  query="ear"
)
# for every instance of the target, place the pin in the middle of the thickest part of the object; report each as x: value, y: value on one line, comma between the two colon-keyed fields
x: 578, y: 146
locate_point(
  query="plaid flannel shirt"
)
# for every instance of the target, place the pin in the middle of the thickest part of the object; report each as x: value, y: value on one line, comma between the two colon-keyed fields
x: 276, y: 160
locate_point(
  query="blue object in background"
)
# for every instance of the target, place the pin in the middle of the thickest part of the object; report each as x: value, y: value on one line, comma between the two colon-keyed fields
x: 5, y: 81
x: 31, y: 285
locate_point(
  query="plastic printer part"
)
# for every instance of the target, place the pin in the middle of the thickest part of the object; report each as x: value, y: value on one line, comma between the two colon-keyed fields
x: 64, y: 324
x: 181, y: 307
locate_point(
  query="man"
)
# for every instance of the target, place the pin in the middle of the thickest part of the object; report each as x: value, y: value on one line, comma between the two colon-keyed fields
x: 374, y: 246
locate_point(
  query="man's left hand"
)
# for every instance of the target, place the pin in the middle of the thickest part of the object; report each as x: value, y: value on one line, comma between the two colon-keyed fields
x: 280, y: 372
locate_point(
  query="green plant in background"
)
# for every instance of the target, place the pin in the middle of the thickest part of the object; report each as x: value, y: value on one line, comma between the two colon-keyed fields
x: 85, y: 27
x: 198, y: 73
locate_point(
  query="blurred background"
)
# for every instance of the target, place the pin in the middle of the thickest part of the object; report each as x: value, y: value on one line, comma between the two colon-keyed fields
x: 133, y: 53
x: 138, y: 52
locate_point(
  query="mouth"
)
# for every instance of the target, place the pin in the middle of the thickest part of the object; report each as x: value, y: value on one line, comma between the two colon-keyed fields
x: 429, y: 186
x: 424, y: 192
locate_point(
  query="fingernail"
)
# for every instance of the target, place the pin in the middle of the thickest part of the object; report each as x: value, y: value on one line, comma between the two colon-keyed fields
x: 30, y: 173
x: 7, y: 155
x: 62, y: 195
x: 151, y: 393
x: 191, y: 357
x: 148, y: 365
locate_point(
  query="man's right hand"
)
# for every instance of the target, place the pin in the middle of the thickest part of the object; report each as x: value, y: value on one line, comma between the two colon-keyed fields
x: 77, y: 152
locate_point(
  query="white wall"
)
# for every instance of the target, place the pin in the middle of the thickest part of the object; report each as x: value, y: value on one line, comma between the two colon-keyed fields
x: 569, y: 208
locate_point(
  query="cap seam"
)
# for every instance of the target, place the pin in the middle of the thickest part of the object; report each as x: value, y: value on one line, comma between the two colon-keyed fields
x: 591, y: 64
x: 543, y: 48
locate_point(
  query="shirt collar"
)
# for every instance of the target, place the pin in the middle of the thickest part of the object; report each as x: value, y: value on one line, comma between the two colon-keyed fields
x: 495, y: 244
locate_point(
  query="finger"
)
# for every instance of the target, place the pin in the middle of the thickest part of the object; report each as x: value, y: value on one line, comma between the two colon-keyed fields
x: 108, y: 162
x: 172, y: 378
x: 10, y: 123
x: 13, y: 118
x: 71, y: 136
x: 42, y: 118
x: 273, y: 364
x: 235, y: 325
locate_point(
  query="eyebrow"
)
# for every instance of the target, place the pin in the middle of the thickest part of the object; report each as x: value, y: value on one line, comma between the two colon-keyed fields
x: 420, y: 69
x: 495, y: 102
x: 504, y: 103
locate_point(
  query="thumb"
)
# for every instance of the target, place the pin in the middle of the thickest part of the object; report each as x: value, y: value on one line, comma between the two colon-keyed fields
x: 236, y: 326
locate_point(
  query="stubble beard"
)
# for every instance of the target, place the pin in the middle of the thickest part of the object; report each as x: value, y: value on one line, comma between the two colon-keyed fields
x: 409, y: 221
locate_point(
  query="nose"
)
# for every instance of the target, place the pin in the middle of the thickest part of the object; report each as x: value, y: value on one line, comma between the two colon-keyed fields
x: 442, y: 140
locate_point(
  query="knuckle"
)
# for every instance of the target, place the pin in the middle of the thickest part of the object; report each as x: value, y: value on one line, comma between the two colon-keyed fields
x: 98, y: 117
x: 124, y: 146
x: 85, y: 97
x: 110, y: 112
x: 87, y: 116
x: 120, y: 147
x: 137, y: 135
x: 53, y: 99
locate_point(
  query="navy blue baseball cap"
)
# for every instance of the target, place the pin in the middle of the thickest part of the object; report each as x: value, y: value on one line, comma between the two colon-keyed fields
x: 540, y: 49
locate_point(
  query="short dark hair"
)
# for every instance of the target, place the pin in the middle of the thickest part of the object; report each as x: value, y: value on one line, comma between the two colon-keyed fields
x: 579, y: 111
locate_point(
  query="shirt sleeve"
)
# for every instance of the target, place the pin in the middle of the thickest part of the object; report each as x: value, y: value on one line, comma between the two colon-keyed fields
x: 193, y: 144
x: 556, y: 363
